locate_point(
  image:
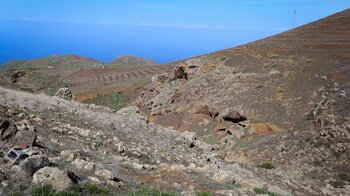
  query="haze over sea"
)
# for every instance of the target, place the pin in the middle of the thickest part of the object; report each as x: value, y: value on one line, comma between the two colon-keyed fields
x: 161, y: 30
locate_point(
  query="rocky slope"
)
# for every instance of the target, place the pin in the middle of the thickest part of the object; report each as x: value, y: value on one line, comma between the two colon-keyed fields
x: 281, y: 100
x: 122, y: 151
x: 273, y: 80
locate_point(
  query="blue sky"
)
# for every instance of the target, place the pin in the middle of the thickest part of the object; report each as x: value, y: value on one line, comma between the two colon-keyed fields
x: 158, y: 29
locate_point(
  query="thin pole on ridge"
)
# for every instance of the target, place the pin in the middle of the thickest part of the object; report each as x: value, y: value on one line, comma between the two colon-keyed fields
x: 294, y: 17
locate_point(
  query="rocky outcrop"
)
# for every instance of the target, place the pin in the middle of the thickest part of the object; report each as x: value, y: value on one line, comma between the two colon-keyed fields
x: 232, y: 115
x: 12, y: 137
x: 179, y: 73
x: 53, y: 176
x: 65, y: 93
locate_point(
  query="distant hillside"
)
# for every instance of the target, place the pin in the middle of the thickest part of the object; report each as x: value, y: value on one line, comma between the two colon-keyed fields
x: 86, y: 77
x: 64, y: 61
x: 131, y: 61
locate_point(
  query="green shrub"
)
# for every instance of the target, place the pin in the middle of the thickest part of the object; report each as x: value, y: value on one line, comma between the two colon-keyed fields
x: 47, y: 84
x: 308, y: 61
x: 210, y: 139
x: 264, y: 191
x: 203, y: 194
x: 259, y: 86
x: 270, y: 65
x: 143, y: 191
x: 90, y: 188
x: 337, y: 183
x: 43, y: 190
x: 345, y: 177
x: 274, y: 56
x: 16, y: 194
x: 318, y: 162
x: 341, y: 181
x: 76, y: 190
x: 223, y: 58
x: 283, y: 149
x: 266, y: 166
x: 280, y: 89
x: 259, y: 190
x: 114, y: 100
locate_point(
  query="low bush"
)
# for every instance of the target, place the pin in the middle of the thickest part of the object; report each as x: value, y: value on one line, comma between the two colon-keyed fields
x: 203, y: 194
x: 270, y: 65
x: 144, y: 191
x: 264, y: 191
x: 266, y: 166
x: 76, y: 190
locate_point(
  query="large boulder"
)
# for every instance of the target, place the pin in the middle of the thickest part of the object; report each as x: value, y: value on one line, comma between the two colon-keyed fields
x: 10, y: 136
x: 106, y: 174
x: 34, y: 163
x: 23, y: 139
x: 7, y: 130
x: 231, y: 115
x: 30, y: 165
x: 65, y: 93
x: 57, y: 178
x: 194, y: 63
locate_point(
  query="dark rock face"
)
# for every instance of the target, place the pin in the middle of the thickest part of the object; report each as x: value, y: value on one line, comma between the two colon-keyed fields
x: 8, y: 130
x: 19, y: 160
x: 24, y: 139
x: 12, y: 137
x: 179, y: 73
x: 15, y: 75
x: 33, y: 163
x: 229, y: 114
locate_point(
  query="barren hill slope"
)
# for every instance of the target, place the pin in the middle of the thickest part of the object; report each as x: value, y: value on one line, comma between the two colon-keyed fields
x: 283, y: 100
x: 52, y: 62
x: 134, y: 61
x: 274, y: 80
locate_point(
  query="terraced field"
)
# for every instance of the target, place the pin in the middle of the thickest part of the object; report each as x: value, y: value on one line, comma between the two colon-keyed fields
x: 87, y: 77
x: 112, y: 75
x: 89, y: 82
